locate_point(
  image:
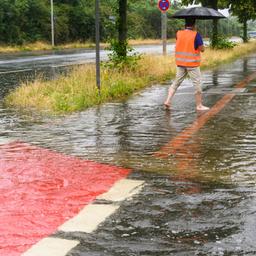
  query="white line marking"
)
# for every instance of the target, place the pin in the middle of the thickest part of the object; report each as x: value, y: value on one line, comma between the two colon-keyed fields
x: 5, y: 141
x: 225, y: 90
x: 239, y: 90
x: 51, y: 247
x: 89, y: 218
x: 15, y: 71
x: 71, y: 64
x: 123, y: 189
x: 185, y: 93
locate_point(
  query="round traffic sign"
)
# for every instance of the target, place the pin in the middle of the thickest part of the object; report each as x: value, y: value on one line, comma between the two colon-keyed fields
x: 163, y: 5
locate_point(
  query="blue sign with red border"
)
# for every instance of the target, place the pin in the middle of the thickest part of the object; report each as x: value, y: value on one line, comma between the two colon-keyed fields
x: 163, y: 5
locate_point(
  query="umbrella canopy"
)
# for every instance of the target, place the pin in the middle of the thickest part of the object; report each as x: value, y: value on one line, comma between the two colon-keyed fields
x: 201, y: 13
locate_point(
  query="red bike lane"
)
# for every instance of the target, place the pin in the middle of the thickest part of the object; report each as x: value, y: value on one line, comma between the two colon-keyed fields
x: 41, y: 189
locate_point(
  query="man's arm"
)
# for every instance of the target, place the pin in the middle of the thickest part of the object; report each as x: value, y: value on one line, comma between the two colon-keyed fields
x: 199, y: 44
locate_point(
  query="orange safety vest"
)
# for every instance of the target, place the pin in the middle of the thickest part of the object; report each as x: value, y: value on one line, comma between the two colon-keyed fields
x: 185, y: 52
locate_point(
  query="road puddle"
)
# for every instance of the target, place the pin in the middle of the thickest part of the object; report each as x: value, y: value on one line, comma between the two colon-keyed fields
x: 199, y: 199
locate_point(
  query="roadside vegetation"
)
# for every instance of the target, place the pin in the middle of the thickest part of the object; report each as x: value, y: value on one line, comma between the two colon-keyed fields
x: 44, y: 46
x: 77, y: 90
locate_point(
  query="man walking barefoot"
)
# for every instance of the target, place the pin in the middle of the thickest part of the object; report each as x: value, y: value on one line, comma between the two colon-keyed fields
x: 189, y: 45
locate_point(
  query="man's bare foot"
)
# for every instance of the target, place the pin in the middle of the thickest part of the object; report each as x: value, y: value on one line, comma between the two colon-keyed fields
x: 167, y: 105
x: 202, y: 108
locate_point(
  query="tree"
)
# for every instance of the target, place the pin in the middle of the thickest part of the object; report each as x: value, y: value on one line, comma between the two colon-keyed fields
x: 33, y: 19
x: 215, y: 4
x: 245, y: 11
x: 9, y: 29
x: 122, y: 28
x: 23, y: 21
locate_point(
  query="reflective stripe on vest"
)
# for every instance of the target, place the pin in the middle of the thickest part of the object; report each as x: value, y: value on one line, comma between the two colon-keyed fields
x: 186, y: 60
x: 186, y: 55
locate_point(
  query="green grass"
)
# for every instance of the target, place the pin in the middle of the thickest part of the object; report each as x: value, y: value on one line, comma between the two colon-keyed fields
x: 77, y: 90
x: 42, y: 46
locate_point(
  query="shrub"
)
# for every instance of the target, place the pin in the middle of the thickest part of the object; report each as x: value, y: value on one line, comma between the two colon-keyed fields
x: 118, y: 61
x: 223, y: 43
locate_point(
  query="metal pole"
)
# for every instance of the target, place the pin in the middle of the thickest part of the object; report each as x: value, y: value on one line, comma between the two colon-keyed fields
x: 97, y: 30
x: 52, y: 23
x: 164, y: 31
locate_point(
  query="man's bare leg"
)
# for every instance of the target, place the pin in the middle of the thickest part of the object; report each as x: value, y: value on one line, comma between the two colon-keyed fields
x: 199, y: 105
x: 180, y: 76
x: 169, y: 97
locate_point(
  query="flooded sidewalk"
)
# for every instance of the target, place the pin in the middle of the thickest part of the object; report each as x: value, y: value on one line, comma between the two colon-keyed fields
x: 198, y: 169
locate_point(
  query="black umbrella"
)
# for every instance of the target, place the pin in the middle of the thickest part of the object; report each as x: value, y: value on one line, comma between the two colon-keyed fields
x: 201, y: 13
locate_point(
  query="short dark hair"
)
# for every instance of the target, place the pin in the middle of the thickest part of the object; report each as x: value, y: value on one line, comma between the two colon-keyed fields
x: 190, y: 22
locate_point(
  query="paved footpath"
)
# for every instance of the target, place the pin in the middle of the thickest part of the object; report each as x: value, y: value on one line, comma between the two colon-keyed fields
x: 130, y: 178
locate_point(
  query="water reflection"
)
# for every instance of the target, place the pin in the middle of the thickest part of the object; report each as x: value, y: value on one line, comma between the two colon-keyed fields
x: 200, y: 200
x: 123, y: 132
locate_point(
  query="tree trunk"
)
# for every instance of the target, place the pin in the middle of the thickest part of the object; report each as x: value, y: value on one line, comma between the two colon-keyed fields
x: 245, y: 36
x: 122, y: 28
x: 214, y: 5
x: 214, y: 33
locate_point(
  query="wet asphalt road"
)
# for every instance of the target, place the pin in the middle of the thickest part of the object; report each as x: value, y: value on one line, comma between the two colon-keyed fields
x: 204, y: 206
x: 31, y: 61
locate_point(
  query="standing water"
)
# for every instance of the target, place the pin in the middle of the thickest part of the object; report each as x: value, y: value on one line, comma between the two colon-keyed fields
x: 198, y: 200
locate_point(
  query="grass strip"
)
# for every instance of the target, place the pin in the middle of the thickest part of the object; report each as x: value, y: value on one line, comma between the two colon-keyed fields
x: 77, y: 91
x: 43, y: 46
